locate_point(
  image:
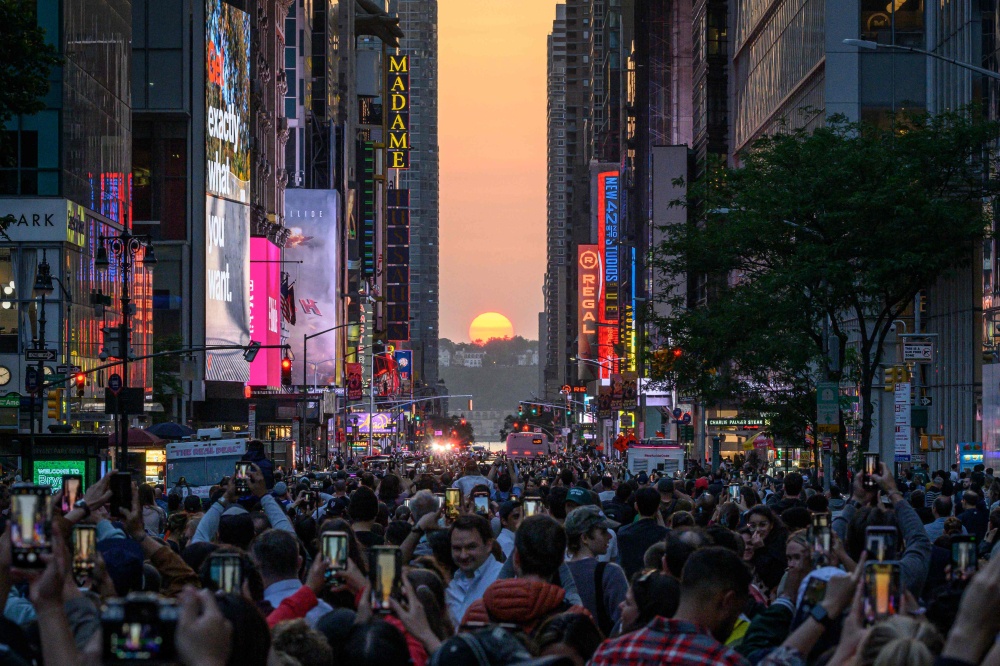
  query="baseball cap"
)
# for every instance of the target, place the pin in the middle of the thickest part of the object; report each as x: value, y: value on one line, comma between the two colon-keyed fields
x: 583, y: 519
x: 642, y: 478
x: 579, y: 496
x: 665, y: 485
x: 280, y: 488
x: 701, y: 483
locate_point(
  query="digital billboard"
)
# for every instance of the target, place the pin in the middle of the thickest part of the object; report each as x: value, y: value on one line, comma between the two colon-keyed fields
x: 607, y: 244
x: 397, y: 265
x: 312, y: 257
x: 227, y: 101
x: 265, y: 311
x: 397, y: 92
x: 50, y: 472
x: 227, y: 288
x: 588, y: 277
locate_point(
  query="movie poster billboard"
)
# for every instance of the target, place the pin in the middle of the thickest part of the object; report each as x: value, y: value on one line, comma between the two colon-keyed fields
x: 265, y: 311
x: 227, y: 289
x: 312, y: 261
x: 227, y: 101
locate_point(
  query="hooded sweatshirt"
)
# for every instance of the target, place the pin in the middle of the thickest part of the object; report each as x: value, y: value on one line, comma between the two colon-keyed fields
x: 526, y: 603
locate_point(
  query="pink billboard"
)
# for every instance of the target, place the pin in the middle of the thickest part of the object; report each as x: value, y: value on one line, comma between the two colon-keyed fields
x: 265, y: 311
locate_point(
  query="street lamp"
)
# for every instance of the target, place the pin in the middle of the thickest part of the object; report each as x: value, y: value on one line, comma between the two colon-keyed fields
x: 124, y: 249
x: 872, y: 46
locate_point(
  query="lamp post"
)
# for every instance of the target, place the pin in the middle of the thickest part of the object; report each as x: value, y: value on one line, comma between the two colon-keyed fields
x: 872, y: 46
x: 124, y: 250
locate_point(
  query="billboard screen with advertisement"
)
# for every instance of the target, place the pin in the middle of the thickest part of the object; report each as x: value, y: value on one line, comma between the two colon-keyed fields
x: 381, y: 420
x: 227, y: 288
x: 607, y: 244
x: 265, y: 311
x: 313, y: 256
x: 50, y: 472
x: 227, y: 101
x: 588, y: 278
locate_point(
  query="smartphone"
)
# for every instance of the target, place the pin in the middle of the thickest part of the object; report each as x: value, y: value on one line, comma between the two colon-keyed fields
x: 481, y: 501
x: 226, y: 572
x: 335, y: 550
x: 121, y: 493
x: 734, y: 492
x: 84, y: 552
x: 440, y: 499
x: 316, y: 485
x: 880, y: 542
x: 883, y: 592
x: 815, y: 592
x: 242, y: 477
x: 31, y: 525
x: 963, y: 558
x: 452, y: 502
x: 821, y: 538
x: 531, y: 506
x: 140, y: 627
x: 871, y: 467
x: 72, y: 490
x: 386, y: 575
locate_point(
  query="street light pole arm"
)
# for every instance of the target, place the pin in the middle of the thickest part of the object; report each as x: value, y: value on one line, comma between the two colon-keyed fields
x: 872, y: 46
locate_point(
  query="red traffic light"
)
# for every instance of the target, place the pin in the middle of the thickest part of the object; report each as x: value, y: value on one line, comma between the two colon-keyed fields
x: 286, y: 371
x: 286, y: 364
x: 678, y: 353
x: 80, y: 379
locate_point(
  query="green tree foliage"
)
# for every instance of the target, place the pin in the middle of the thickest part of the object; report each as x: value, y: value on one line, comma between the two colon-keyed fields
x: 813, y: 248
x: 25, y: 60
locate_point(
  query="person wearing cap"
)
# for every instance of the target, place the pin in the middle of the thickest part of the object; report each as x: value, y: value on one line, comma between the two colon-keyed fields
x: 634, y: 539
x: 577, y: 497
x: 510, y: 514
x: 280, y: 493
x: 602, y: 586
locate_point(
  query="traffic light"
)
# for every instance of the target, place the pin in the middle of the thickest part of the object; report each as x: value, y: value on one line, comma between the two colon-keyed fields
x: 80, y: 380
x: 517, y: 426
x: 286, y: 371
x: 896, y: 374
x: 53, y: 400
x: 534, y: 410
x: 464, y: 422
x: 250, y: 353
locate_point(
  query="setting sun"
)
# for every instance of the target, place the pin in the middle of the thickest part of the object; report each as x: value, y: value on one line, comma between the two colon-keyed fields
x: 490, y: 325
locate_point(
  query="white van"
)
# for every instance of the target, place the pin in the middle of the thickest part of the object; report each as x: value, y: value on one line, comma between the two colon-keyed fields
x: 665, y: 459
x: 202, y: 464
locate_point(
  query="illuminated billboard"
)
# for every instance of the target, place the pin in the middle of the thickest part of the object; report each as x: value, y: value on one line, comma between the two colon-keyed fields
x: 588, y: 286
x: 227, y: 288
x: 227, y: 101
x: 312, y: 253
x: 265, y: 311
x: 607, y: 244
x: 397, y: 89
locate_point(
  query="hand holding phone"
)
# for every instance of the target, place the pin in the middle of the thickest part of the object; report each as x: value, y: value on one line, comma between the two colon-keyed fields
x: 871, y: 468
x: 31, y: 525
x: 121, y: 494
x: 385, y: 574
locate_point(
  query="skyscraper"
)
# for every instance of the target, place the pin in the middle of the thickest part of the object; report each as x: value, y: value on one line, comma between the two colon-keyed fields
x: 418, y: 21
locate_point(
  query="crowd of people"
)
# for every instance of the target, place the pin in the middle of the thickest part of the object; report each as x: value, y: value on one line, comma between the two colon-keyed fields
x: 564, y: 560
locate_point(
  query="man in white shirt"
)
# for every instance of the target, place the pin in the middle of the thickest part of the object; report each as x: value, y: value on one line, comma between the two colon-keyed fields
x: 471, y: 543
x: 472, y: 478
x: 608, y: 489
x: 276, y: 554
x: 510, y: 514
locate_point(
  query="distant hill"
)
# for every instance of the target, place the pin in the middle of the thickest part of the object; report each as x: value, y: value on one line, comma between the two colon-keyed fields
x: 494, y: 387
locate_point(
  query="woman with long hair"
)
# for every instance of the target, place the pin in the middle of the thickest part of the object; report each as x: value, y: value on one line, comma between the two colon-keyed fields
x: 153, y: 517
x: 768, y: 541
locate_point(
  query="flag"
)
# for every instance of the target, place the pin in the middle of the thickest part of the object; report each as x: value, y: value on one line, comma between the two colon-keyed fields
x: 287, y: 300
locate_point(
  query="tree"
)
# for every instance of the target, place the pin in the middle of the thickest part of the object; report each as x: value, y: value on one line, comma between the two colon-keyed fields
x: 828, y: 235
x: 25, y: 60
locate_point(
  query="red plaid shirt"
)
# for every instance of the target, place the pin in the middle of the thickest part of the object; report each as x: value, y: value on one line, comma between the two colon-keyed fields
x: 664, y: 641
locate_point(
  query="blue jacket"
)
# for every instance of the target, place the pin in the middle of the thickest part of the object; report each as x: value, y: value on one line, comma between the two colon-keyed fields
x: 266, y: 466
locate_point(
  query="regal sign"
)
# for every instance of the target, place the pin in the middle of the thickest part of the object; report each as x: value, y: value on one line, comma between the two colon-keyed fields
x: 397, y: 87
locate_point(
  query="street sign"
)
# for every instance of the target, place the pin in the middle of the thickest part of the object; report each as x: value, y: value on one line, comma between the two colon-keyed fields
x: 828, y: 406
x: 55, y: 377
x: 115, y: 383
x: 39, y: 354
x: 31, y: 379
x: 925, y: 401
x: 11, y: 400
x: 678, y: 412
x: 252, y: 420
x: 64, y: 369
x: 918, y: 351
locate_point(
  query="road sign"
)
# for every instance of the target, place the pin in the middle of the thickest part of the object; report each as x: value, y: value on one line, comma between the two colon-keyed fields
x: 115, y: 383
x: 64, y: 369
x: 736, y: 422
x: 31, y: 379
x: 39, y: 354
x: 678, y: 412
x: 828, y: 406
x: 11, y: 400
x: 925, y: 401
x: 918, y: 351
x: 55, y: 377
x: 252, y: 420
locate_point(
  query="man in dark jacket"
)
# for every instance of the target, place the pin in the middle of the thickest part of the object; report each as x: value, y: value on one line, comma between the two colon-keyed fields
x: 976, y: 516
x: 255, y: 454
x: 792, y: 495
x: 634, y: 539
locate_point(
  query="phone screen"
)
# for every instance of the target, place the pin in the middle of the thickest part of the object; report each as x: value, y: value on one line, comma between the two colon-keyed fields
x: 386, y: 572
x: 452, y: 501
x: 30, y: 526
x: 440, y: 499
x: 882, y: 591
x: 138, y: 631
x: 815, y: 592
x: 121, y: 493
x: 963, y: 558
x: 84, y: 550
x: 734, y: 492
x: 226, y: 571
x: 482, y: 503
x: 242, y: 477
x: 72, y: 490
x: 530, y: 507
x: 335, y: 550
x: 871, y: 467
x: 880, y: 542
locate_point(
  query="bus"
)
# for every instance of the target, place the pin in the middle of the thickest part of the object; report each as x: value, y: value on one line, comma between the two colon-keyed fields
x: 527, y: 445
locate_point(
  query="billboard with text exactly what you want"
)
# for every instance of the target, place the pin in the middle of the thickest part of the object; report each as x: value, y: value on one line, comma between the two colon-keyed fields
x: 227, y: 289
x: 227, y: 101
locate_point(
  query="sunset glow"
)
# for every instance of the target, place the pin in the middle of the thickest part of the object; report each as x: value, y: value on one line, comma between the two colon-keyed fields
x: 490, y: 325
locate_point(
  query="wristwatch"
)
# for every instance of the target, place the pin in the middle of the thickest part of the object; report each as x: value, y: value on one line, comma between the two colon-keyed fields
x: 819, y: 614
x: 82, y: 504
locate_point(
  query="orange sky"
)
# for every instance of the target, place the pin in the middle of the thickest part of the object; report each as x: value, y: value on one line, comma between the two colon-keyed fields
x: 491, y: 130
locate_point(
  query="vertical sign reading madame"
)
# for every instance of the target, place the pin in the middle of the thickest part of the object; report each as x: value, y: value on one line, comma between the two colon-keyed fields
x: 398, y: 94
x: 227, y: 189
